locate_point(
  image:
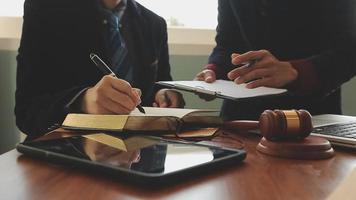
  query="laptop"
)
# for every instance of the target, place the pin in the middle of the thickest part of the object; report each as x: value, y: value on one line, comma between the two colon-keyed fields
x: 340, y: 130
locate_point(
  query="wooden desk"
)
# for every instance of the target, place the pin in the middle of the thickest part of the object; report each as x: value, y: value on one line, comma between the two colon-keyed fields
x: 260, y: 177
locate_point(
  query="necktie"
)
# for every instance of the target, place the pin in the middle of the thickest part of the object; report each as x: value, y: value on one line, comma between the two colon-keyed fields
x: 117, y: 47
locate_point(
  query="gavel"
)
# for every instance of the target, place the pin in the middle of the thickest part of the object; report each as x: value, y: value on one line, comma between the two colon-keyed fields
x: 277, y: 124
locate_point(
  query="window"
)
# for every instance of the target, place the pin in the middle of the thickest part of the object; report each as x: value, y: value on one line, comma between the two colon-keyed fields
x: 11, y: 8
x: 200, y: 14
x: 185, y: 13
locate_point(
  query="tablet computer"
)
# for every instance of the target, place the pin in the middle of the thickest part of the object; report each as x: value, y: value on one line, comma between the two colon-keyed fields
x: 136, y: 159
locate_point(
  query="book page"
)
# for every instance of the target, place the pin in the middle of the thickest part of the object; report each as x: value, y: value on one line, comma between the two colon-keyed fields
x: 95, y: 122
x: 224, y: 87
x: 174, y: 112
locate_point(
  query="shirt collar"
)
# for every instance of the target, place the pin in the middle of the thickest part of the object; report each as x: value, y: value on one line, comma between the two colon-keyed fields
x: 121, y: 8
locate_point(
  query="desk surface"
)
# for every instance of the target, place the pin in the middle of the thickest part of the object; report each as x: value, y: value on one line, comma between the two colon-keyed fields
x: 260, y: 177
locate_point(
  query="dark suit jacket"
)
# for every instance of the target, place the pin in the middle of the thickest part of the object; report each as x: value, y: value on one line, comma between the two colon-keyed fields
x: 54, y: 64
x: 321, y: 31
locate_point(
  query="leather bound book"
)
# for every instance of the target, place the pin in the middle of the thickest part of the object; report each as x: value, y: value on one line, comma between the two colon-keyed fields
x: 156, y: 119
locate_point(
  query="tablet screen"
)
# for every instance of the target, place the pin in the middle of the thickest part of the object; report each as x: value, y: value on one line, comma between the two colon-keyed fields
x: 137, y: 153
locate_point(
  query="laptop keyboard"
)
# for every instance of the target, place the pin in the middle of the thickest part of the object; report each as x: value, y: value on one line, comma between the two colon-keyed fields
x: 347, y: 130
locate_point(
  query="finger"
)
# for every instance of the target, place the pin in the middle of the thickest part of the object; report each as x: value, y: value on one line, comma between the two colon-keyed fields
x: 161, y: 100
x: 251, y: 55
x: 116, y: 96
x: 241, y: 71
x: 253, y: 75
x: 154, y: 104
x: 267, y: 82
x: 199, y: 76
x: 233, y: 74
x: 137, y: 94
x: 209, y: 76
x: 206, y: 75
x: 172, y: 98
x: 138, y: 91
x: 114, y: 107
x: 233, y: 55
x: 123, y: 86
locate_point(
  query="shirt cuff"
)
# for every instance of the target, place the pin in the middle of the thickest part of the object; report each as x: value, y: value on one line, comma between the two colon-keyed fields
x: 219, y: 72
x: 308, y: 80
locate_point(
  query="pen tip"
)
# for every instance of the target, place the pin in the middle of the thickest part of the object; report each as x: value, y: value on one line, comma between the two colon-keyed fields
x: 141, y: 109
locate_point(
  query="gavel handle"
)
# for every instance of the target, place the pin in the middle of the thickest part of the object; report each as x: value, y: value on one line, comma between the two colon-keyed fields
x: 241, y: 125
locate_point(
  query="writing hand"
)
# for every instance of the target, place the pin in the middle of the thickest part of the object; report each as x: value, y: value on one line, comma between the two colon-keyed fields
x: 267, y: 71
x: 110, y: 96
x: 167, y: 98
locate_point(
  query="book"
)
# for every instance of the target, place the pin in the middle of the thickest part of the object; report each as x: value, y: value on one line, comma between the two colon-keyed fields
x: 222, y: 89
x: 158, y: 120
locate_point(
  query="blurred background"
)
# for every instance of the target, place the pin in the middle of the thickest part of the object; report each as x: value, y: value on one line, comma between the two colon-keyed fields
x: 190, y: 37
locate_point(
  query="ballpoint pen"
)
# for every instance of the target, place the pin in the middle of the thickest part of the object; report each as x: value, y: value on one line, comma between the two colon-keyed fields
x: 106, y: 70
x: 249, y: 63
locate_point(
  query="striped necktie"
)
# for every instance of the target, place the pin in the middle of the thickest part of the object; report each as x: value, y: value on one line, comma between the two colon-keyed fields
x: 116, y: 45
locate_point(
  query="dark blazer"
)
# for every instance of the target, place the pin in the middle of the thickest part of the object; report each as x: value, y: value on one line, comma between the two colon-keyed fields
x: 53, y: 58
x: 321, y: 31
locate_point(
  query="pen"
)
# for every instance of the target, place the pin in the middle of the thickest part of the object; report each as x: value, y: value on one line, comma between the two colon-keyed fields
x: 106, y: 70
x: 250, y: 63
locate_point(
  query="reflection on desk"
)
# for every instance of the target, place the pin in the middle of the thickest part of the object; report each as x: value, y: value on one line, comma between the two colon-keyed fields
x: 261, y: 177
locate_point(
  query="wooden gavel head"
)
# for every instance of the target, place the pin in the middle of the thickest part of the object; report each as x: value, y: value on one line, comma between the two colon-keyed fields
x: 277, y: 124
x: 285, y: 124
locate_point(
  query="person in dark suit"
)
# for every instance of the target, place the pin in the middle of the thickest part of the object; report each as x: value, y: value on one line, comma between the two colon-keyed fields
x: 307, y: 47
x: 55, y: 75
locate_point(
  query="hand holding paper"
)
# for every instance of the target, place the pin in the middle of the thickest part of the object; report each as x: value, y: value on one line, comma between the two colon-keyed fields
x: 267, y: 71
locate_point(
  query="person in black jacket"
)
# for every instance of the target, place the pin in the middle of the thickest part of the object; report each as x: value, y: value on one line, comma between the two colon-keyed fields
x: 55, y: 75
x: 307, y: 47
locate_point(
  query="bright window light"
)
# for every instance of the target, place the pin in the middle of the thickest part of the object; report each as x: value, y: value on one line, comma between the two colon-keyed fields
x: 185, y: 13
x: 178, y: 13
x: 11, y: 8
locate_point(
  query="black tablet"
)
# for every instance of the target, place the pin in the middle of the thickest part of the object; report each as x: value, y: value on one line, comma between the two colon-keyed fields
x: 135, y: 159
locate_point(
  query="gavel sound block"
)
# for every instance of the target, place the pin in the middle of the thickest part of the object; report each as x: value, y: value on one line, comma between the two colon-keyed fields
x: 286, y: 133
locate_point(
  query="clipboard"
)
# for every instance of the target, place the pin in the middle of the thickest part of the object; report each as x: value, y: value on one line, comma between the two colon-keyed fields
x: 222, y: 89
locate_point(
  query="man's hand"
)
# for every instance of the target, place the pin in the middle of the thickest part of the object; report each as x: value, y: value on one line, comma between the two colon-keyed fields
x: 206, y: 75
x: 167, y: 98
x: 110, y: 96
x: 267, y: 71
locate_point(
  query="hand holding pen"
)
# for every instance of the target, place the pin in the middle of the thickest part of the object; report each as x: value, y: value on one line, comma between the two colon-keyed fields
x: 110, y: 95
x: 261, y: 68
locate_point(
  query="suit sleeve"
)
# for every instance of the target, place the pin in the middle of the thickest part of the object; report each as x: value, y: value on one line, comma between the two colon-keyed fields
x: 42, y: 95
x: 228, y: 40
x: 337, y: 63
x: 163, y: 72
x: 164, y: 68
x: 333, y: 66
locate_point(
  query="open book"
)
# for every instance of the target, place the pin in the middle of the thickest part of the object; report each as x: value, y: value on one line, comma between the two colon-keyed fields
x: 222, y: 89
x: 155, y: 119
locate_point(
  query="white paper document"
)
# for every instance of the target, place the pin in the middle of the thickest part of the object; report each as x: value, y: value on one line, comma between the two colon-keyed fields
x: 222, y: 88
